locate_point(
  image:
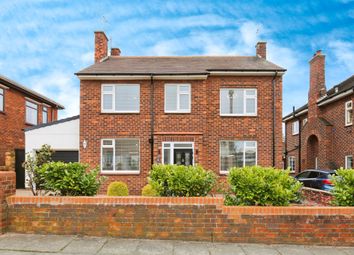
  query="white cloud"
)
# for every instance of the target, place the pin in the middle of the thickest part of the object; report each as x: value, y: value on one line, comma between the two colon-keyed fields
x: 344, y: 53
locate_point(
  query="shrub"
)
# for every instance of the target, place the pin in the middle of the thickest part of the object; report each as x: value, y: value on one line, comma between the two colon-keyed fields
x: 70, y: 179
x: 149, y: 191
x: 117, y: 189
x: 181, y: 181
x: 261, y: 186
x: 343, y: 190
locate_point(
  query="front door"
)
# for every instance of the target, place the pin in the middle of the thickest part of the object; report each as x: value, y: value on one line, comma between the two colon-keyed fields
x: 183, y: 157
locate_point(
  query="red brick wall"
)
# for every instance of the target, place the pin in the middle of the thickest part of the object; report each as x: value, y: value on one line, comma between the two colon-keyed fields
x: 199, y: 219
x: 14, y: 119
x: 7, y: 188
x: 204, y: 125
x: 316, y: 196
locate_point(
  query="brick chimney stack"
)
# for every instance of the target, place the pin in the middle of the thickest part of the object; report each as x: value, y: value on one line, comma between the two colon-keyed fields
x: 261, y: 49
x: 101, y: 46
x: 115, y: 52
x: 317, y: 82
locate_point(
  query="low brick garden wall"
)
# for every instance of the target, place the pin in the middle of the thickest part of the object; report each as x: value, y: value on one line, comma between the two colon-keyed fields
x: 199, y: 219
x: 316, y: 196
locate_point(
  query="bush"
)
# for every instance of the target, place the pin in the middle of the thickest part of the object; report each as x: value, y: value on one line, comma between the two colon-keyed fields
x: 119, y: 189
x: 261, y: 186
x: 181, y: 181
x: 149, y: 191
x: 70, y: 179
x: 343, y: 190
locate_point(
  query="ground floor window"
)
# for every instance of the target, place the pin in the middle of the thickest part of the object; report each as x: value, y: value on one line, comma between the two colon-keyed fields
x: 291, y: 163
x: 237, y: 154
x: 178, y: 153
x: 120, y: 155
x: 349, y: 162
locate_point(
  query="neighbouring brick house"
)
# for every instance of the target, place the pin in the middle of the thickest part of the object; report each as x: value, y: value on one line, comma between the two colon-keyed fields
x: 320, y: 133
x: 216, y: 111
x: 21, y: 108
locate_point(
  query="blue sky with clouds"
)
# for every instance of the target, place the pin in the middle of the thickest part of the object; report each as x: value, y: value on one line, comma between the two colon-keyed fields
x: 44, y: 42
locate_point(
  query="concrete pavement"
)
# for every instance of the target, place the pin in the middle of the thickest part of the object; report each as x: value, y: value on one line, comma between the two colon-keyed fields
x: 27, y: 244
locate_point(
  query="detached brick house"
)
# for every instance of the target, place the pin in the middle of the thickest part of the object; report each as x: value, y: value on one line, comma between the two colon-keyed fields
x: 216, y: 111
x: 320, y: 134
x: 21, y: 108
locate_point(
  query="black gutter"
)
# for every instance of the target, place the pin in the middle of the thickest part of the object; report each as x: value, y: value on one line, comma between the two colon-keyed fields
x: 152, y: 118
x: 274, y: 115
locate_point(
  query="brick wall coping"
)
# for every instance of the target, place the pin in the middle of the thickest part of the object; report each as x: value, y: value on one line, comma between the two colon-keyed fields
x: 200, y: 201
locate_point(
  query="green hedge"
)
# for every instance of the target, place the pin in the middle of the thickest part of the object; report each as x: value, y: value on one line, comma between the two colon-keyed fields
x: 181, y: 181
x: 343, y: 190
x: 261, y: 186
x: 69, y: 179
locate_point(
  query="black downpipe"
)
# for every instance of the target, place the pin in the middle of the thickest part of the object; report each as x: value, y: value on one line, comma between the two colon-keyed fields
x: 152, y: 116
x: 274, y: 110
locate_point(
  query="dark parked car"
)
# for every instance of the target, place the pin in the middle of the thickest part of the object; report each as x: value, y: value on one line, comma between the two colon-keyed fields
x: 317, y: 179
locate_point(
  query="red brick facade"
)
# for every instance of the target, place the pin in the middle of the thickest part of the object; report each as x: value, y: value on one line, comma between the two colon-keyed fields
x: 7, y: 188
x: 198, y: 219
x: 13, y: 119
x: 325, y: 136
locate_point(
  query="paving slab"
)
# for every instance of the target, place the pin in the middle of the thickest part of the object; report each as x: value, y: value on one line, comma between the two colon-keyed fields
x: 56, y: 243
x: 326, y: 250
x: 85, y: 245
x: 293, y: 249
x: 259, y: 249
x: 225, y: 249
x: 158, y: 247
x: 191, y: 248
x: 18, y: 242
x: 119, y: 247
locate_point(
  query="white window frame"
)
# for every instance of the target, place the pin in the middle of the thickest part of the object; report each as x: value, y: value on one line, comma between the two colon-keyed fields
x: 292, y: 159
x: 113, y: 109
x: 295, y: 132
x: 32, y: 102
x: 179, y: 93
x: 244, y: 153
x: 2, y: 94
x: 304, y: 121
x: 45, y: 109
x: 255, y: 96
x: 346, y: 161
x: 348, y: 122
x: 113, y: 146
x: 172, y: 147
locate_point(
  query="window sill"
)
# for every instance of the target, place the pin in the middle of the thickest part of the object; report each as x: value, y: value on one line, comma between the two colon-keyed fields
x: 348, y: 125
x: 120, y: 172
x: 29, y: 124
x: 295, y: 134
x: 2, y: 112
x: 119, y: 113
x: 238, y: 115
x: 224, y: 172
x: 177, y: 112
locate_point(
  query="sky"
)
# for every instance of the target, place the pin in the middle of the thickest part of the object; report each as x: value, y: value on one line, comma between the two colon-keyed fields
x: 44, y: 42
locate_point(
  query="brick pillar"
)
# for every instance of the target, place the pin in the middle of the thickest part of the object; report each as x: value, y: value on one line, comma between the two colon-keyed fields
x: 7, y: 188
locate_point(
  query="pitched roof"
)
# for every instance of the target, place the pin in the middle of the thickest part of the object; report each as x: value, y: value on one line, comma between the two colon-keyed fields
x: 178, y: 65
x: 13, y: 84
x: 334, y: 91
x: 53, y: 123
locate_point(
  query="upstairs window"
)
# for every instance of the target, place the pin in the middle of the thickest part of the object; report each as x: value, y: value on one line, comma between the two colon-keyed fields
x: 31, y: 113
x: 1, y: 100
x: 296, y: 127
x: 238, y: 102
x: 349, y: 162
x: 44, y: 115
x: 291, y: 163
x: 349, y: 113
x: 177, y: 98
x: 304, y: 121
x: 120, y: 98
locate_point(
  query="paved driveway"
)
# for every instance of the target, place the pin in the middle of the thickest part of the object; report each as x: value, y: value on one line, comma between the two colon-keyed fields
x: 11, y: 244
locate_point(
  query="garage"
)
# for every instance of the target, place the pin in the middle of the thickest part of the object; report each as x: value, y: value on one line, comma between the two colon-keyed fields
x: 62, y: 136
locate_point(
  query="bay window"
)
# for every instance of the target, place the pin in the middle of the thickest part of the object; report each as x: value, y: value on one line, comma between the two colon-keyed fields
x: 238, y: 102
x: 120, y: 155
x: 237, y: 154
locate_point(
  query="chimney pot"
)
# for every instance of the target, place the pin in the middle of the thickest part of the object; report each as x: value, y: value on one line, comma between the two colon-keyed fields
x: 115, y: 52
x: 101, y: 46
x: 261, y: 49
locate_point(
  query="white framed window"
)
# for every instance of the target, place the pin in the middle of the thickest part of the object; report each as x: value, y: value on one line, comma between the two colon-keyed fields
x: 120, y: 156
x: 31, y: 113
x: 177, y: 98
x: 304, y: 121
x: 237, y: 154
x: 2, y: 100
x: 179, y: 153
x: 296, y: 127
x: 120, y: 98
x: 44, y: 114
x: 291, y: 163
x: 238, y: 102
x: 349, y: 113
x: 349, y: 162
